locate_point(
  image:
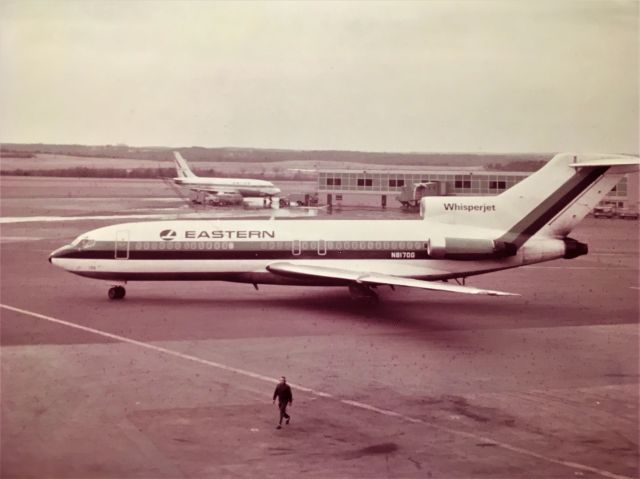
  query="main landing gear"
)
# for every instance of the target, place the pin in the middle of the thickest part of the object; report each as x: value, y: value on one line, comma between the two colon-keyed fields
x: 360, y: 292
x: 117, y: 292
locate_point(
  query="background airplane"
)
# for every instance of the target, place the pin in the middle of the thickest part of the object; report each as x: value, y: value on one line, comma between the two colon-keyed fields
x: 223, y: 190
x: 457, y: 237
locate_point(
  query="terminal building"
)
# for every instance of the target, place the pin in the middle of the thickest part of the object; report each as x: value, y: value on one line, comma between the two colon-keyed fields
x: 385, y: 188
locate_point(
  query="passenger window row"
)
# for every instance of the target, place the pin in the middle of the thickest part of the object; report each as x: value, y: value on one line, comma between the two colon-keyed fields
x: 276, y: 245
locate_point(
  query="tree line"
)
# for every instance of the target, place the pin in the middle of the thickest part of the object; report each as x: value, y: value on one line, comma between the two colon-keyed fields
x: 255, y: 155
x: 148, y: 173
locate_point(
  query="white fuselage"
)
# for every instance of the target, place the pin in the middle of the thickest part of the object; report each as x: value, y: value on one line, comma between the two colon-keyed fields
x: 242, y: 250
x: 245, y: 187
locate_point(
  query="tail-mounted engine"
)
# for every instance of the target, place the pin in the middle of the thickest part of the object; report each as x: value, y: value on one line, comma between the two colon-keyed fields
x: 573, y: 248
x: 469, y: 249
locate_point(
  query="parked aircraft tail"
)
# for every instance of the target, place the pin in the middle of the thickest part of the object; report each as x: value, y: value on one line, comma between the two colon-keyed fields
x: 182, y: 167
x: 552, y: 200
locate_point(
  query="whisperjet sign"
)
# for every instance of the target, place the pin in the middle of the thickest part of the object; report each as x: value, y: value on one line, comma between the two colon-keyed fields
x: 483, y: 208
x: 169, y: 235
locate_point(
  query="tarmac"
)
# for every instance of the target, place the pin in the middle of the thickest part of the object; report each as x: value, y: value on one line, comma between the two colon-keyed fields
x: 176, y: 380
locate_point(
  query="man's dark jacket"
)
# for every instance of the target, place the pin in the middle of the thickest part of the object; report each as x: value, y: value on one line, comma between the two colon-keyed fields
x: 283, y: 393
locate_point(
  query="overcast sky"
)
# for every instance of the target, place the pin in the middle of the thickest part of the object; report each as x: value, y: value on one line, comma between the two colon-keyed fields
x: 473, y: 76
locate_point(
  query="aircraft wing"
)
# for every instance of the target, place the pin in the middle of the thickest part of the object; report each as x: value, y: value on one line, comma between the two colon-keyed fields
x: 362, y: 277
x: 217, y: 190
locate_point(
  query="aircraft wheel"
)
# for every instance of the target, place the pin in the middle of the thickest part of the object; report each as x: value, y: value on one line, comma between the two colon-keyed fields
x: 117, y: 292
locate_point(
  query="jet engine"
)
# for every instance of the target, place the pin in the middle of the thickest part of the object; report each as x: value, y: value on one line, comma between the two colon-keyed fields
x: 468, y: 248
x: 573, y: 248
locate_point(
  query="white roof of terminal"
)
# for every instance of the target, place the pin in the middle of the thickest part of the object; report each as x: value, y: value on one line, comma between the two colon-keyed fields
x: 430, y: 171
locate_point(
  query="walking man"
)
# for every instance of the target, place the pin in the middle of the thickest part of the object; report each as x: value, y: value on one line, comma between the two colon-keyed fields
x: 285, y: 398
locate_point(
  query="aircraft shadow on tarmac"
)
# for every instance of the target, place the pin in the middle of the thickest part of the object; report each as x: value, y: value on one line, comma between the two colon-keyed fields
x: 187, y: 314
x: 420, y: 313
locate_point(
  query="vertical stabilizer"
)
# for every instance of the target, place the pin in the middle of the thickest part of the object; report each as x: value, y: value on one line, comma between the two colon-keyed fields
x: 552, y: 200
x: 182, y: 167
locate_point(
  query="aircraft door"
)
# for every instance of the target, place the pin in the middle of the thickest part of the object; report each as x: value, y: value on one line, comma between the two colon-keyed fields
x: 296, y: 248
x: 122, y: 245
x: 322, y: 247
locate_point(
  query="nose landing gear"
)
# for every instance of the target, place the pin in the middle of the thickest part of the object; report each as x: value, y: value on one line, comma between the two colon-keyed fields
x: 117, y: 292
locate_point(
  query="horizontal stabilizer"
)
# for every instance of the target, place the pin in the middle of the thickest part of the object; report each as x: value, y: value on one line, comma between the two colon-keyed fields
x: 314, y: 272
x: 629, y: 161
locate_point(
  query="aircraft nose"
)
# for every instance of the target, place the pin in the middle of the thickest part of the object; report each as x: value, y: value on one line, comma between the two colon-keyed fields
x: 58, y: 253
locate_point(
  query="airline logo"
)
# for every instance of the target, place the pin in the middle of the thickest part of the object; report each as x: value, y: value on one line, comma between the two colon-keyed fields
x: 483, y: 208
x: 168, y: 235
x: 229, y: 234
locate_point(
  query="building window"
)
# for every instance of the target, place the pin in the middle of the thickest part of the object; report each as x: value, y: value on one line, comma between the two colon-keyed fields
x: 497, y: 185
x: 334, y: 181
x: 465, y: 184
x: 396, y: 183
x: 365, y: 182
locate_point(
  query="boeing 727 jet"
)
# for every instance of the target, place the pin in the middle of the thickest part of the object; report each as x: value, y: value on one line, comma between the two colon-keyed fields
x: 455, y: 238
x: 222, y: 187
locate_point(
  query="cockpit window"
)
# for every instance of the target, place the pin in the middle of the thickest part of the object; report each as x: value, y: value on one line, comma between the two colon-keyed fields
x: 87, y: 243
x: 77, y: 241
x: 83, y: 242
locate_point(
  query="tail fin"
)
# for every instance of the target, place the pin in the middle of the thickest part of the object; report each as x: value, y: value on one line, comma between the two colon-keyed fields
x: 553, y: 199
x: 182, y: 167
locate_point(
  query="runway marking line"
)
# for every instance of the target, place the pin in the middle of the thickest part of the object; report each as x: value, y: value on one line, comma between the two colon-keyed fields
x: 8, y: 239
x: 356, y: 404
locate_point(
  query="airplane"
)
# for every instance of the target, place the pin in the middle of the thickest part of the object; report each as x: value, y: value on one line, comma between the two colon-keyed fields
x: 455, y: 238
x: 229, y: 190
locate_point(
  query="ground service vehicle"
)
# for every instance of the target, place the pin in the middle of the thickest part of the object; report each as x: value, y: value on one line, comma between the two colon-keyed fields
x: 628, y: 214
x: 603, y: 212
